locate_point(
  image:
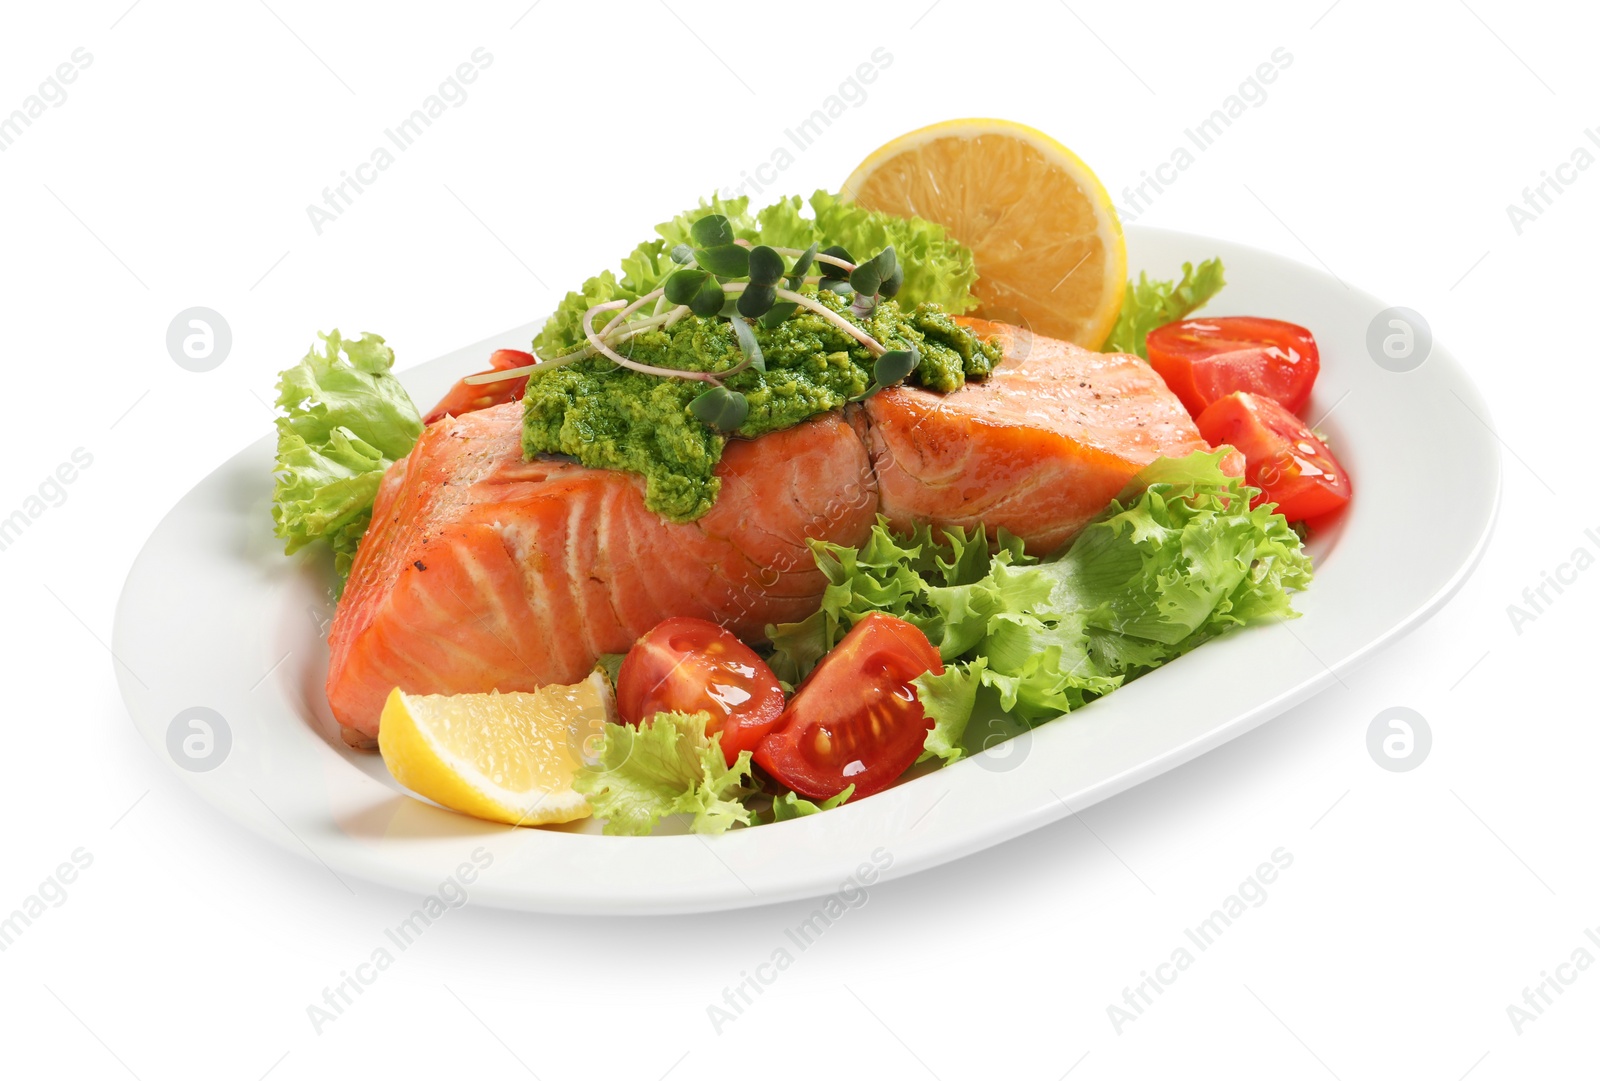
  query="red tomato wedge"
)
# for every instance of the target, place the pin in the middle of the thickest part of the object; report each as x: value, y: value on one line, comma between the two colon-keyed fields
x: 467, y: 397
x: 1206, y: 359
x: 1292, y: 467
x: 856, y: 720
x: 688, y: 665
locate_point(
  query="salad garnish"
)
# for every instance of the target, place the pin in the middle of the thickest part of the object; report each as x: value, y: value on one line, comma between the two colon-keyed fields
x: 1177, y: 559
x: 345, y: 420
x: 1150, y: 304
x: 666, y: 765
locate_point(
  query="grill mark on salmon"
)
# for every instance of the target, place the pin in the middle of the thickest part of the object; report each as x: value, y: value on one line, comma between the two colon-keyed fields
x: 482, y: 570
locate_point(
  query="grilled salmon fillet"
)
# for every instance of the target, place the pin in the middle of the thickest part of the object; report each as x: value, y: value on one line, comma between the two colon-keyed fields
x: 482, y: 570
x: 1038, y: 448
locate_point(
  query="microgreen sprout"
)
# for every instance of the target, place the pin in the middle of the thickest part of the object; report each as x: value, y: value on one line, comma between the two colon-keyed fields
x: 836, y: 262
x: 698, y: 289
x: 802, y: 264
x: 766, y: 266
x: 709, y: 284
x: 720, y: 408
x: 756, y: 301
x: 712, y: 230
x: 648, y: 369
x: 868, y: 276
x: 725, y: 260
x: 891, y: 368
x: 747, y: 345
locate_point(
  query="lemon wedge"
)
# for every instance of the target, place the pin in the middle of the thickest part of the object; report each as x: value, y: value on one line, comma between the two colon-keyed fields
x: 502, y: 757
x: 1043, y: 232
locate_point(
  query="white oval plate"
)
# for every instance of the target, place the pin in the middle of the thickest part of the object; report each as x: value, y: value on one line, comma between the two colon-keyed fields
x: 214, y: 616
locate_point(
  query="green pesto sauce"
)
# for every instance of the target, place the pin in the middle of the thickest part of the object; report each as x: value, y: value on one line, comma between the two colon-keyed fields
x: 616, y: 418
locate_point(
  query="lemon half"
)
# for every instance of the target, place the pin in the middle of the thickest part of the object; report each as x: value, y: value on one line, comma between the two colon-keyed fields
x: 1042, y: 229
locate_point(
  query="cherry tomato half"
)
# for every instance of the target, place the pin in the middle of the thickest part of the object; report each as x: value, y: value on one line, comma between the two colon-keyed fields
x: 467, y: 397
x: 1206, y: 359
x: 856, y: 719
x: 1292, y: 467
x: 688, y: 665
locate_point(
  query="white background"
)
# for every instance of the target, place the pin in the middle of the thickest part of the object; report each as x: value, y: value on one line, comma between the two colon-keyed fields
x: 1419, y: 905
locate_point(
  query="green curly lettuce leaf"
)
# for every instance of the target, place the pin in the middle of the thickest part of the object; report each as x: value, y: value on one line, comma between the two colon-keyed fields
x: 792, y: 805
x: 938, y: 269
x: 941, y: 586
x: 345, y: 420
x: 1179, y: 564
x: 1150, y: 304
x: 948, y: 699
x: 1179, y: 558
x: 665, y: 766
